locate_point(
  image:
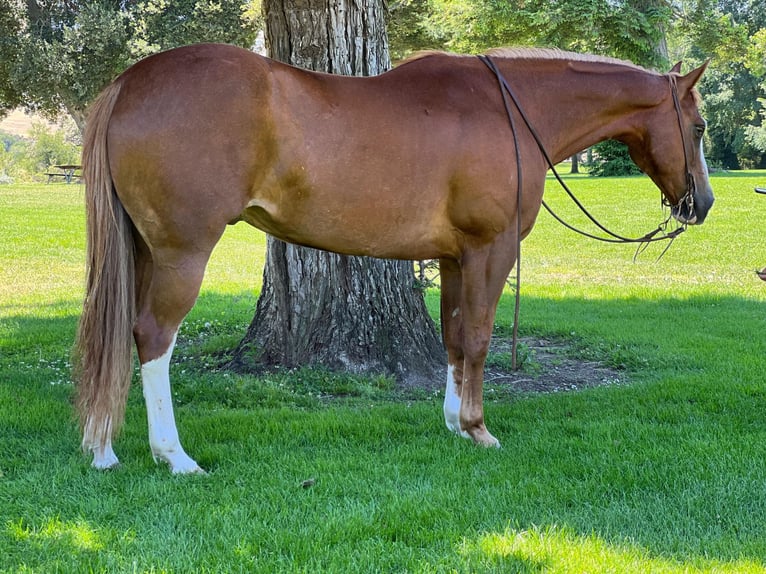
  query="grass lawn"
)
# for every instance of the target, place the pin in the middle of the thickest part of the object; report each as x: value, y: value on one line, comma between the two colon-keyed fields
x: 663, y: 472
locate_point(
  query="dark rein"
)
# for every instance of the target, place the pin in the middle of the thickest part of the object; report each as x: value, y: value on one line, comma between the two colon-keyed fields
x: 643, y: 241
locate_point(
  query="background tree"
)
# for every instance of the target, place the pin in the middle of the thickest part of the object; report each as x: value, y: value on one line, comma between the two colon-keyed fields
x: 731, y: 33
x: 56, y: 56
x: 755, y: 62
x: 630, y: 29
x: 353, y: 313
x: 10, y: 29
x: 652, y: 33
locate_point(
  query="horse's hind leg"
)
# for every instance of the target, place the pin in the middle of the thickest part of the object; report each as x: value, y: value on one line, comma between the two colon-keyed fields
x: 452, y: 335
x: 169, y: 283
x: 103, y: 454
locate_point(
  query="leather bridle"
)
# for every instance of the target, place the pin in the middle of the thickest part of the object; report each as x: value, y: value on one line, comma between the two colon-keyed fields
x: 687, y: 199
x: 691, y: 186
x: 659, y: 234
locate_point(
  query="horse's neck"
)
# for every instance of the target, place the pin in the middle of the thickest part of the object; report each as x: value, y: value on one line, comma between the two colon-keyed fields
x: 591, y: 106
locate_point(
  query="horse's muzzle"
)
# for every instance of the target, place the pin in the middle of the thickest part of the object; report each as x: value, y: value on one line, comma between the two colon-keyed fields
x: 693, y: 212
x: 684, y: 215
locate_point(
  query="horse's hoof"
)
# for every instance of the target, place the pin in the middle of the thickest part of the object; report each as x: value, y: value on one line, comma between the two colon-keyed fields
x: 482, y: 437
x: 178, y: 461
x: 196, y: 470
x: 761, y: 274
x: 453, y: 424
x: 100, y: 465
x: 185, y: 466
x: 104, y: 458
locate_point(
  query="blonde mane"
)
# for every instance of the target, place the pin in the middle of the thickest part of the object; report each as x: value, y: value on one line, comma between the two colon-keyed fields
x: 556, y: 54
x: 522, y: 53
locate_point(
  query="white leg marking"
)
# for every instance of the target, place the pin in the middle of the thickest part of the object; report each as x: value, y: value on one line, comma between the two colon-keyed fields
x: 103, y: 455
x: 163, y: 435
x: 452, y: 401
x: 104, y: 458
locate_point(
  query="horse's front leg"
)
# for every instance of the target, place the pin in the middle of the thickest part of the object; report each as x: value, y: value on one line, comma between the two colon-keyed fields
x: 483, y: 276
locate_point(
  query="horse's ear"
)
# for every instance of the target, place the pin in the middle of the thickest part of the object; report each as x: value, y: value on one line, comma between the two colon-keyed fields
x: 676, y: 69
x: 691, y: 79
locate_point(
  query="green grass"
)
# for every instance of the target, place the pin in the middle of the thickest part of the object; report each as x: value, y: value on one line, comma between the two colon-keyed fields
x: 664, y: 474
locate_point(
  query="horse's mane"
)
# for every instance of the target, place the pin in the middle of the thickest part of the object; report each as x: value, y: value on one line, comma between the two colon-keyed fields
x: 522, y: 53
x: 556, y: 54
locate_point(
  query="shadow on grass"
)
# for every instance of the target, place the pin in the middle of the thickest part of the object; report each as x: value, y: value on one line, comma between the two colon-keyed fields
x: 663, y: 475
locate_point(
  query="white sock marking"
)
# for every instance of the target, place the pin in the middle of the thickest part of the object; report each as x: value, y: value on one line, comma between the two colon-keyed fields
x: 103, y: 456
x: 452, y: 402
x: 163, y: 434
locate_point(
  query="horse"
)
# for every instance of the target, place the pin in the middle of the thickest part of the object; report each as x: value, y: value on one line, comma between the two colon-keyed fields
x: 416, y: 163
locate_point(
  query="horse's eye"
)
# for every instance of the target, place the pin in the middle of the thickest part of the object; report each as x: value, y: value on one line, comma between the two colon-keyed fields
x: 699, y: 130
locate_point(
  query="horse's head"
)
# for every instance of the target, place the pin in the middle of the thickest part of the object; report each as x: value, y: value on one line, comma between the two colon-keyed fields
x: 668, y: 148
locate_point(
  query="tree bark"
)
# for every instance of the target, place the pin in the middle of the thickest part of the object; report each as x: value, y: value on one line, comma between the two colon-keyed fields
x: 352, y: 313
x: 575, y: 163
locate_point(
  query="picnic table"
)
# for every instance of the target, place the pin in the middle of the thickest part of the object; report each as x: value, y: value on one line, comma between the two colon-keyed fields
x: 65, y: 172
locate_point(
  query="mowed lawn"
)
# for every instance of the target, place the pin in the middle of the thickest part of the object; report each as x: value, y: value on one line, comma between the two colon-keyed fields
x: 661, y: 470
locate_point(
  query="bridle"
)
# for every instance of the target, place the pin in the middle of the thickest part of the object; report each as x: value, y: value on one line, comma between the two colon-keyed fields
x: 661, y: 233
x: 686, y: 200
x: 691, y: 187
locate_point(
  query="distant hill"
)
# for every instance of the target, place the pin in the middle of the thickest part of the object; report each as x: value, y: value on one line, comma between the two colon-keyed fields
x: 18, y: 122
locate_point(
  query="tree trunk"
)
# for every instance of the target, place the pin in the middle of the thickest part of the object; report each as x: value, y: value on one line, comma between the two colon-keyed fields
x: 352, y: 313
x: 658, y: 57
x: 575, y: 163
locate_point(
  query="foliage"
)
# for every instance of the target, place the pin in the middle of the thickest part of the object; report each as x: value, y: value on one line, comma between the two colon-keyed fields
x: 628, y: 29
x: 8, y: 142
x: 407, y: 32
x: 732, y: 34
x: 49, y: 148
x: 755, y: 62
x: 10, y: 29
x: 57, y: 56
x: 755, y: 135
x: 26, y: 159
x: 164, y: 24
x: 611, y: 158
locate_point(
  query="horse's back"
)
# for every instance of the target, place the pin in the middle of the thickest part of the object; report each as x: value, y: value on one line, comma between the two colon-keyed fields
x: 397, y: 166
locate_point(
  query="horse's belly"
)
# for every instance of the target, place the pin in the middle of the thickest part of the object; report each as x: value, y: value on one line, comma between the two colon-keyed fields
x: 374, y: 235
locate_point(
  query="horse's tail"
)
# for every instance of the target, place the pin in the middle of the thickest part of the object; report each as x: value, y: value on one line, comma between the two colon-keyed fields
x: 103, y: 353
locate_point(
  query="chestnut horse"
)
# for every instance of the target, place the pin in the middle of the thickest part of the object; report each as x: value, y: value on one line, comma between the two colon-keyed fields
x: 417, y: 163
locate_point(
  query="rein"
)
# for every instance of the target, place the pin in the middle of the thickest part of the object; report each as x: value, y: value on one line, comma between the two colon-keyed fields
x: 643, y: 241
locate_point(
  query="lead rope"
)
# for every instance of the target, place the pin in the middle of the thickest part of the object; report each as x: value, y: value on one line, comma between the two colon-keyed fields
x: 505, y: 91
x: 515, y: 341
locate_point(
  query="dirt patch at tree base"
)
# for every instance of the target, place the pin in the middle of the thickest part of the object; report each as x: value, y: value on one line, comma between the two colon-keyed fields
x: 547, y: 367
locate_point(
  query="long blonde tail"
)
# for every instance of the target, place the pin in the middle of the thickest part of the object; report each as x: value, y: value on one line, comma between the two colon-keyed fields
x: 103, y: 352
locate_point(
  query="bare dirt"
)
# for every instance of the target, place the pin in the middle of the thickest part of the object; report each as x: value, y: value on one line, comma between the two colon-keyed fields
x: 548, y: 368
